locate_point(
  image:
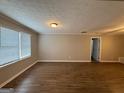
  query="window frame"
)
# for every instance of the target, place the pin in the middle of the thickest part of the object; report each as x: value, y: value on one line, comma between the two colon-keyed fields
x: 20, y: 48
x: 20, y: 45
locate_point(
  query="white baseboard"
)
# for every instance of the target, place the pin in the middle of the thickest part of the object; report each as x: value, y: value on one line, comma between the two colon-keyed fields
x: 64, y: 61
x: 109, y: 61
x: 76, y: 61
x: 12, y: 78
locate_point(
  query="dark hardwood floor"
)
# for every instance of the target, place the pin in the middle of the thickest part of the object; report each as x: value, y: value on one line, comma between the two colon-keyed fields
x: 71, y: 78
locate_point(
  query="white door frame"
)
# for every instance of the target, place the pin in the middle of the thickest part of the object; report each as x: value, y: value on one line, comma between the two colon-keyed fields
x: 100, y: 50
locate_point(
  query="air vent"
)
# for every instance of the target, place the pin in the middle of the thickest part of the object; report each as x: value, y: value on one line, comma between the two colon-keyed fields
x: 84, y: 32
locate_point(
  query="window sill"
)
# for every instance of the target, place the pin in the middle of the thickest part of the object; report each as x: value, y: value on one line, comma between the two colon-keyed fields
x: 21, y: 59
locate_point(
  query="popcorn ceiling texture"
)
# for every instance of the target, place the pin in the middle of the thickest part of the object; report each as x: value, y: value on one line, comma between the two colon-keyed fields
x: 73, y: 16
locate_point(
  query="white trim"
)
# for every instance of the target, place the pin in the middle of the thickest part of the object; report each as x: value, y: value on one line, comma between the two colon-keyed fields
x: 100, y: 51
x: 12, y: 78
x: 89, y: 34
x: 64, y: 61
x: 20, y: 45
x: 109, y: 61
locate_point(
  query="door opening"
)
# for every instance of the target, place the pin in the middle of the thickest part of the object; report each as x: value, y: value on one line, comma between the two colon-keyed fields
x: 95, y: 49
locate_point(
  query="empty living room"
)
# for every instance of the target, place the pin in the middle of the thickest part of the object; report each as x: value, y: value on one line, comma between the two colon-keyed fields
x: 61, y: 46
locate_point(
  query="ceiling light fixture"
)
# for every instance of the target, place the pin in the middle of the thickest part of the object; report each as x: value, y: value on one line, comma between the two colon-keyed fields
x: 54, y: 25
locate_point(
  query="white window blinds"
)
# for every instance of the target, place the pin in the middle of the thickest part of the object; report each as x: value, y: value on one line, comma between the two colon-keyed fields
x: 13, y: 45
x: 25, y: 44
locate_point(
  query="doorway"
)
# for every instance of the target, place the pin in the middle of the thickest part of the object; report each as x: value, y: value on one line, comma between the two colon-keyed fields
x: 95, y: 49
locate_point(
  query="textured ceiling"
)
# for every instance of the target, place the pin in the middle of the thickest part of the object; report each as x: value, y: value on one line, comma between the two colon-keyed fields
x: 73, y: 16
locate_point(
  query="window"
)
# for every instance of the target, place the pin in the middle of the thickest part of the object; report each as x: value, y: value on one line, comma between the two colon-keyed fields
x: 25, y: 45
x: 9, y: 46
x: 13, y: 45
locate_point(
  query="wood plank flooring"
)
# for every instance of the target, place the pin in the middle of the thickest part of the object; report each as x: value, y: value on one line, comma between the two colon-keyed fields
x: 71, y: 78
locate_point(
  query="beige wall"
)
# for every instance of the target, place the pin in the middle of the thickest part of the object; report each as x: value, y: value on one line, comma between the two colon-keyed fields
x: 9, y: 71
x: 78, y: 47
x: 64, y: 47
x: 112, y: 47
